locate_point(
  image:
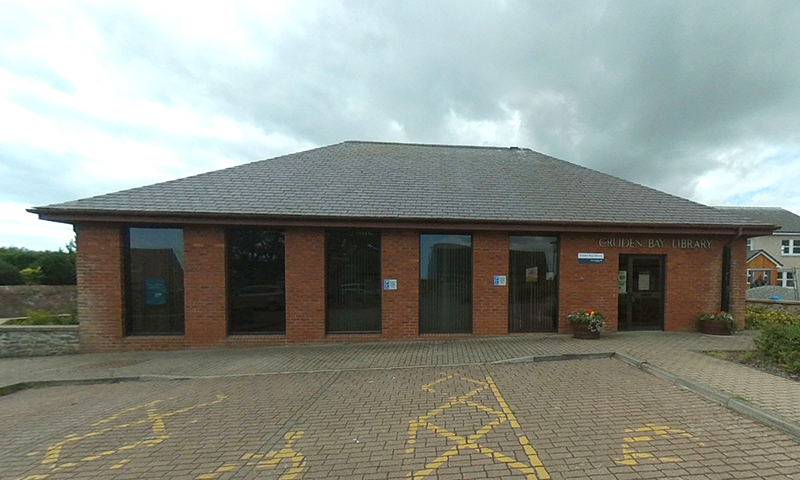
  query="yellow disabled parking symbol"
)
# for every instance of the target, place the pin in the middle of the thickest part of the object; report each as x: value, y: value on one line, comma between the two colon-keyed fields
x: 642, y: 438
x: 501, y: 413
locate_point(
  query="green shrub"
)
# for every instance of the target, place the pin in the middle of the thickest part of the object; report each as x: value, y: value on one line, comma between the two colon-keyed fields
x: 9, y: 275
x: 32, y: 276
x: 779, y: 343
x: 757, y: 316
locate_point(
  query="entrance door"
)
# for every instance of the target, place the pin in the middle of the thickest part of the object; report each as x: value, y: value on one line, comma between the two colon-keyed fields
x: 533, y: 284
x: 641, y: 292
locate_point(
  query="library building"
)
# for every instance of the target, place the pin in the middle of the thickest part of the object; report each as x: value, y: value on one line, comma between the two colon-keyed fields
x: 371, y: 241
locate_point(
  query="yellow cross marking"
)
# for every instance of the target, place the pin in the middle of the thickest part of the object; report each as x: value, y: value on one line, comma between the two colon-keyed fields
x: 534, y: 470
x: 53, y: 453
x: 271, y: 459
x: 630, y: 456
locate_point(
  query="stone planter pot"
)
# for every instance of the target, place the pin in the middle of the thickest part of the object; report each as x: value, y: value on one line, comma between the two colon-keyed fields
x: 714, y: 328
x: 581, y: 330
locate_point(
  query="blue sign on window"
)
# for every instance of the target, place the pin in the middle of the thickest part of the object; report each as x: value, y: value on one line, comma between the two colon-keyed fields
x: 155, y: 291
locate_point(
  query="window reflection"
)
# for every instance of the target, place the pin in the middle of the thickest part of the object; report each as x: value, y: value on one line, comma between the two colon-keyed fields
x: 353, y: 281
x: 445, y: 286
x: 154, y: 272
x: 256, y: 281
x: 533, y: 283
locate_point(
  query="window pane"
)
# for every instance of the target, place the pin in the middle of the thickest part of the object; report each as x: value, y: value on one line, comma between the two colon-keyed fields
x: 353, y: 281
x: 445, y: 286
x: 154, y: 281
x: 256, y: 281
x: 532, y: 284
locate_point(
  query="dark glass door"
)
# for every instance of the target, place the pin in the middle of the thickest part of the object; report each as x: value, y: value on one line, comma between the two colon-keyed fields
x: 641, y: 292
x: 532, y: 284
x: 445, y: 283
x: 353, y: 281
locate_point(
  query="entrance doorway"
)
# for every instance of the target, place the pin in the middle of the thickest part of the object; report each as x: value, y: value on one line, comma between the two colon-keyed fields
x: 641, y: 292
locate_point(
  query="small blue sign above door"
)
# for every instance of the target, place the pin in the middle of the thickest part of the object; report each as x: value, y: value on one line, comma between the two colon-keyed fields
x: 591, y: 257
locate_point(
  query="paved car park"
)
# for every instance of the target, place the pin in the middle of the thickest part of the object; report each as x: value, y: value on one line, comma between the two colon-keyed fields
x: 562, y: 419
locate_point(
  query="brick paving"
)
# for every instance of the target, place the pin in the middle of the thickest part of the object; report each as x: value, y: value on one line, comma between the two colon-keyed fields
x: 572, y: 419
x: 676, y: 352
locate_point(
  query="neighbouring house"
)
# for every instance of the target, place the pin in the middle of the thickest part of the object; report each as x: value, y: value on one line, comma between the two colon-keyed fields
x: 772, y: 259
x: 383, y: 241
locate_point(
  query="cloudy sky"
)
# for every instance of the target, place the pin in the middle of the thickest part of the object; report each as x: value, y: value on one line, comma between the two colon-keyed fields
x: 699, y: 99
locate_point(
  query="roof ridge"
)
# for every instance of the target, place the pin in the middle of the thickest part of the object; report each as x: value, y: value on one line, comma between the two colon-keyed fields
x: 746, y: 207
x: 438, y: 145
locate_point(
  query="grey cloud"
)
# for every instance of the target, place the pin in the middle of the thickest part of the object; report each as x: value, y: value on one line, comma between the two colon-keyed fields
x: 642, y: 90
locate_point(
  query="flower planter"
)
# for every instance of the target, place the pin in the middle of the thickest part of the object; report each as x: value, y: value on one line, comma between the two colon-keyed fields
x: 714, y: 328
x: 581, y: 330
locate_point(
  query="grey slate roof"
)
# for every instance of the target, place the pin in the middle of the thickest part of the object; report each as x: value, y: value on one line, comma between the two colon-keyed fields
x: 788, y: 221
x: 373, y: 180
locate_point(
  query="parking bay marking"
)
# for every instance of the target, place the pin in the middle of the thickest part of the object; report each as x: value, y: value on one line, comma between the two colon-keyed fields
x: 53, y: 453
x: 631, y: 457
x: 533, y: 471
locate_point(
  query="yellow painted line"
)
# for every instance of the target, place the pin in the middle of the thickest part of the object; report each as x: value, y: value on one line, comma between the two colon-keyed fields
x: 534, y: 471
x: 119, y: 464
x: 429, y: 387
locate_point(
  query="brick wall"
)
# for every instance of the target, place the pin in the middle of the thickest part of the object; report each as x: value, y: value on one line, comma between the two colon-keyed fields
x: 693, y: 278
x: 99, y: 266
x: 305, y: 284
x: 400, y: 261
x: 693, y: 283
x: 489, y: 303
x: 204, y: 285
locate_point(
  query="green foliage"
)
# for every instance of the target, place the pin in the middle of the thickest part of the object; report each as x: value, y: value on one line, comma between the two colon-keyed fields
x: 57, y: 267
x: 756, y: 316
x: 596, y: 320
x: 32, y: 276
x: 779, y: 343
x: 719, y: 317
x: 42, y: 317
x: 9, y: 274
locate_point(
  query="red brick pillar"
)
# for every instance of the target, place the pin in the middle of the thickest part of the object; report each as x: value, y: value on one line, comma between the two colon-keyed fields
x: 305, y: 284
x: 489, y: 303
x: 99, y: 286
x: 400, y: 261
x: 587, y: 285
x: 204, y: 285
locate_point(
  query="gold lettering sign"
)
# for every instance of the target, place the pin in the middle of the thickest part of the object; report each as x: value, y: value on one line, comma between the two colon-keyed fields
x: 629, y: 242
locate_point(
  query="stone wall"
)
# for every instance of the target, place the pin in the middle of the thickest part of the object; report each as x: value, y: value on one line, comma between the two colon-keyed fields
x: 16, y: 300
x: 31, y: 341
x: 788, y: 306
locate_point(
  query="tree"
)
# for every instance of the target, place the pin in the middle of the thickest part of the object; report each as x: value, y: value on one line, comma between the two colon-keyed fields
x: 9, y: 275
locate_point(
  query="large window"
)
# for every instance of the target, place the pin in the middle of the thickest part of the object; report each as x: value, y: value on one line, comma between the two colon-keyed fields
x: 790, y: 247
x: 445, y: 283
x: 533, y: 284
x: 256, y: 281
x: 154, y: 281
x: 353, y: 281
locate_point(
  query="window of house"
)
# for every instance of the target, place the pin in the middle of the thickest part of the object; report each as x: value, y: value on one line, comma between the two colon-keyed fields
x: 256, y: 281
x: 352, y: 281
x: 757, y: 277
x: 786, y: 279
x: 749, y: 243
x: 154, y: 281
x: 790, y: 247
